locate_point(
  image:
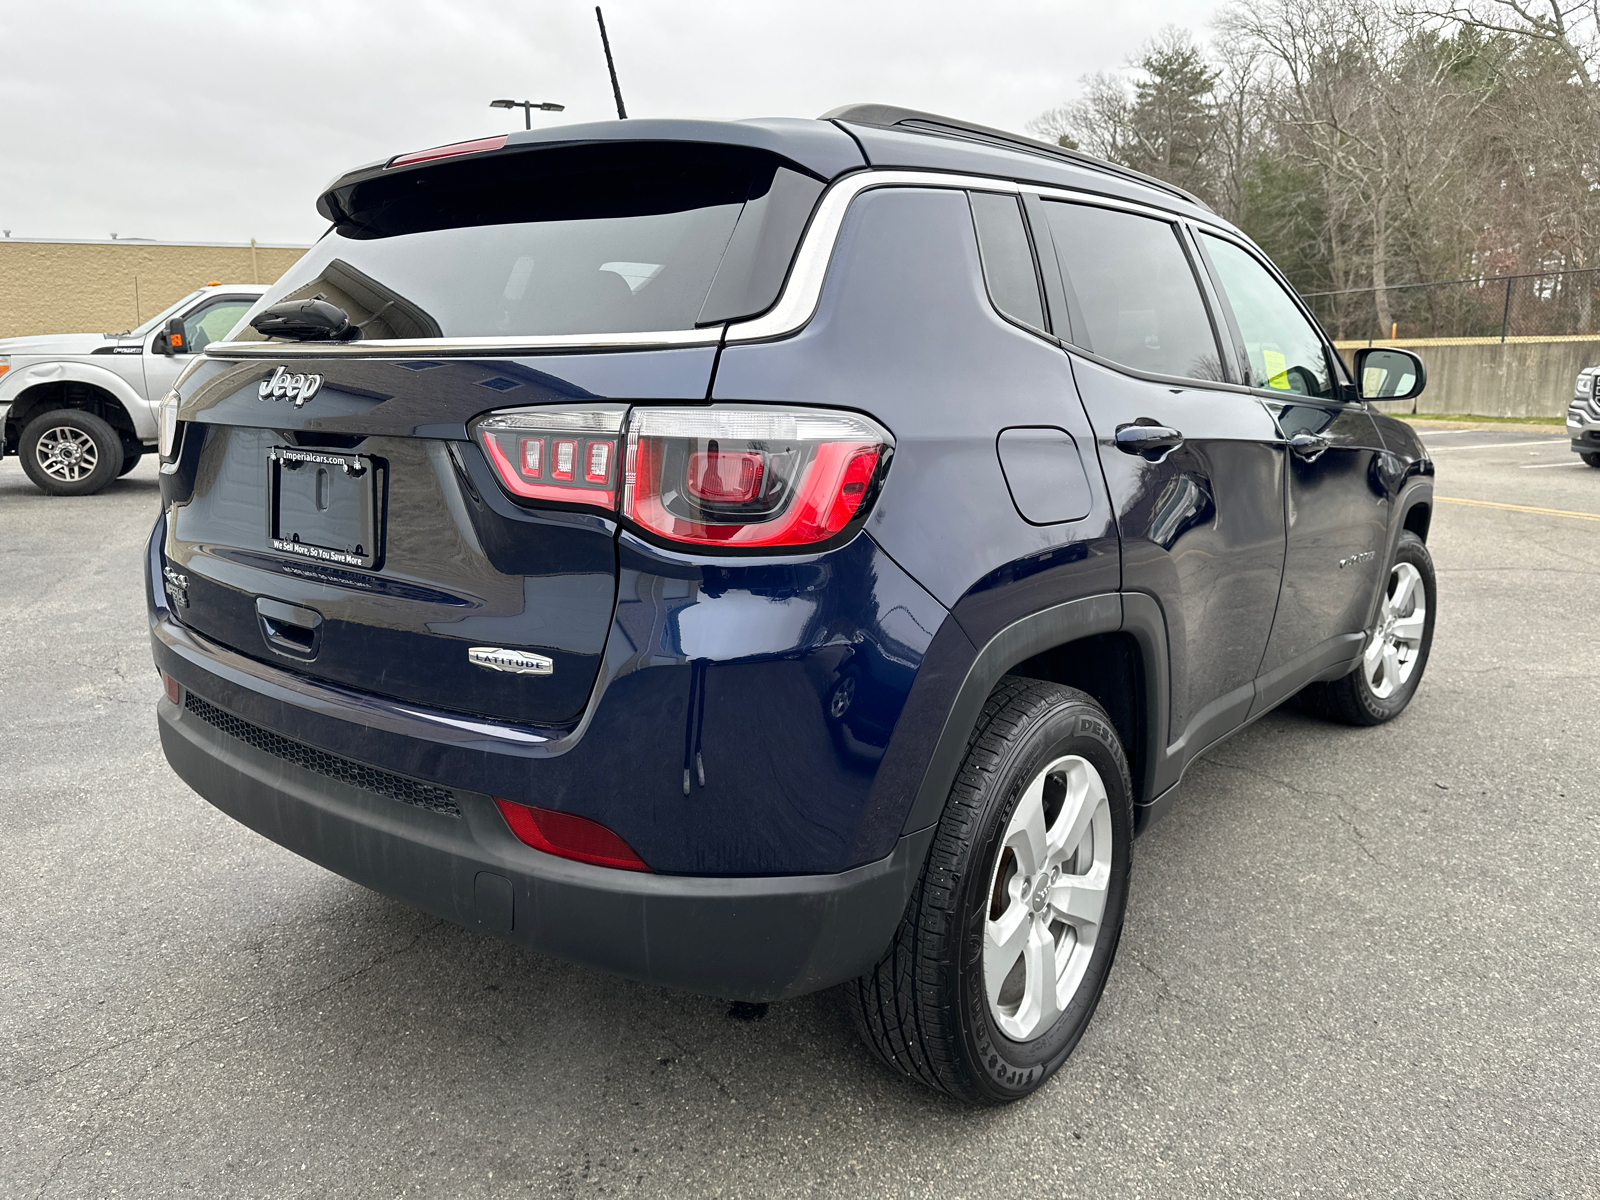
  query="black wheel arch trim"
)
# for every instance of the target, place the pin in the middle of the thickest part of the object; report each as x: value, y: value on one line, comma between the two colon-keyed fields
x: 1134, y: 613
x: 1416, y: 491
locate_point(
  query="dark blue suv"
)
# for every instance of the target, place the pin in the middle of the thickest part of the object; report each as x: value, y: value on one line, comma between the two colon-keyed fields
x: 752, y: 557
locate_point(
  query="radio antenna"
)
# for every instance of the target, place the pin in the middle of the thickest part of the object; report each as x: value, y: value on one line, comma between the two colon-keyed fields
x: 616, y: 88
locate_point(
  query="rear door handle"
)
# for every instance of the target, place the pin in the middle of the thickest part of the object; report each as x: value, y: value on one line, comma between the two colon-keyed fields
x: 289, y: 628
x: 1149, y: 439
x: 1310, y: 446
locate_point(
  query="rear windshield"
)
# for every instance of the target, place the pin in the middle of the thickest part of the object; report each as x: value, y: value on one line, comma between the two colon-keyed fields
x: 626, y: 238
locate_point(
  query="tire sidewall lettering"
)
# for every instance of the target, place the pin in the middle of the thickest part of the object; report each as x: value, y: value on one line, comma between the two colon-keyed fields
x: 1018, y: 1067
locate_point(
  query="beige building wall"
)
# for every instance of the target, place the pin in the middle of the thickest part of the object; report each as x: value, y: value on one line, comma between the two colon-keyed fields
x: 104, y: 287
x: 1519, y: 377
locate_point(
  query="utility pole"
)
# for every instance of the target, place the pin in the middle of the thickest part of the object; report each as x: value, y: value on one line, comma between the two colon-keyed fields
x: 527, y: 107
x: 616, y: 88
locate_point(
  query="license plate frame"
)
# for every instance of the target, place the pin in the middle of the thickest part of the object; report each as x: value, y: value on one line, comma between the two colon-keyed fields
x: 324, y: 506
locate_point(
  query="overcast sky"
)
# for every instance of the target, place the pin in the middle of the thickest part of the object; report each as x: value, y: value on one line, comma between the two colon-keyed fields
x: 221, y: 120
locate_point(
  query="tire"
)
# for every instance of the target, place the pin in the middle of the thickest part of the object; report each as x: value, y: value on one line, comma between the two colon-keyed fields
x: 1381, y: 686
x: 69, y: 452
x: 941, y: 1007
x: 1592, y: 459
x: 130, y: 460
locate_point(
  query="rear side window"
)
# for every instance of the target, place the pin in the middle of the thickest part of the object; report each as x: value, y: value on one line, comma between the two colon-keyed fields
x: 1008, y: 266
x: 1282, y: 349
x: 1138, y: 294
x: 617, y: 238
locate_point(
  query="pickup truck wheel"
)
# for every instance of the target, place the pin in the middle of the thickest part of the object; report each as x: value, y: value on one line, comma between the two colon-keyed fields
x: 1396, y: 652
x: 1592, y: 459
x: 1006, y: 943
x: 68, y: 452
x: 130, y: 460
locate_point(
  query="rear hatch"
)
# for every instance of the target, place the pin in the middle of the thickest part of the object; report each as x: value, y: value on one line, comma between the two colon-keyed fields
x: 331, y: 512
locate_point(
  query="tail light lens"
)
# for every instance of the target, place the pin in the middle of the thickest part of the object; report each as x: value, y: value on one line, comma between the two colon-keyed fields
x: 750, y: 478
x: 567, y: 836
x: 570, y: 456
x: 723, y: 477
x: 169, y: 425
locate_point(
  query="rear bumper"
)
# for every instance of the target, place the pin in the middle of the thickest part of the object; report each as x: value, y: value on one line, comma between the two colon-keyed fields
x: 744, y: 938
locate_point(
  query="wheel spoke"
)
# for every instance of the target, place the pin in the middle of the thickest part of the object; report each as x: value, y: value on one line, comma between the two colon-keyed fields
x: 1077, y: 811
x: 1040, y: 1003
x: 1374, y: 654
x: 1391, y: 667
x: 1405, y: 588
x: 1004, y: 941
x: 1026, y: 836
x: 1080, y: 900
x: 1409, y: 629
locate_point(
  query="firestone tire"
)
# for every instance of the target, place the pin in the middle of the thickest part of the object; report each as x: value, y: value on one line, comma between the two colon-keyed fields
x: 942, y: 1006
x: 69, y: 452
x: 1371, y: 695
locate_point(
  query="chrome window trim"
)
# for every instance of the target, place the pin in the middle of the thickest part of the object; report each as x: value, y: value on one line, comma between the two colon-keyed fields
x: 802, y: 291
x: 458, y: 346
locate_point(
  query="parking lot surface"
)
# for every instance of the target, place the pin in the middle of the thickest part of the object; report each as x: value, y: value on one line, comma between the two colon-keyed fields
x: 1356, y: 961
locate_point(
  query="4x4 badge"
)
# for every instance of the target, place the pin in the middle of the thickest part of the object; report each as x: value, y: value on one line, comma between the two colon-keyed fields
x: 283, y: 386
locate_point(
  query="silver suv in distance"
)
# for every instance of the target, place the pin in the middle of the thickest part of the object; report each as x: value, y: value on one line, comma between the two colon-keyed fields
x: 80, y: 408
x: 1583, y: 417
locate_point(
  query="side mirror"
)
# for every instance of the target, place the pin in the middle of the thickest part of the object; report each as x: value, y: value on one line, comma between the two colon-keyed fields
x: 1383, y: 373
x: 174, y: 337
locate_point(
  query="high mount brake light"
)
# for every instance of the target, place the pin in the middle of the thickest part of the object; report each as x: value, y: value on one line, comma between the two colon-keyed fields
x: 561, y: 454
x: 450, y: 151
x: 567, y: 836
x: 750, y: 478
x: 719, y: 477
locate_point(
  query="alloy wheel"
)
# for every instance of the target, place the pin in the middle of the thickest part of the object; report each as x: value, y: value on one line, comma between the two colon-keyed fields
x: 67, y: 454
x: 1047, y: 899
x: 1391, y: 655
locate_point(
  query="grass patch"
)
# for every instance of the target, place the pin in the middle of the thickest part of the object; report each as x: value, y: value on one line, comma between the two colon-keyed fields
x: 1477, y: 420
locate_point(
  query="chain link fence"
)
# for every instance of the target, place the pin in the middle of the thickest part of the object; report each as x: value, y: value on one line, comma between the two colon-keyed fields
x: 1551, y: 304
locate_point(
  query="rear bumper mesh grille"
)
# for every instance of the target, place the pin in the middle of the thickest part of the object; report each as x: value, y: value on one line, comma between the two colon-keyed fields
x: 396, y: 787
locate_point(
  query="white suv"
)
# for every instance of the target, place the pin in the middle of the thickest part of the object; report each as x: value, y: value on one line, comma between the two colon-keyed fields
x: 1583, y: 417
x: 80, y: 408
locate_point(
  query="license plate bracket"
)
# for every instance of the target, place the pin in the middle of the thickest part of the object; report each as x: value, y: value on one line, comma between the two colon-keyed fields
x: 325, y: 506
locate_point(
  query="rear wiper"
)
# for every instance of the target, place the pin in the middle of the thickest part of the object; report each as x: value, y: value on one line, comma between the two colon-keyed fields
x: 313, y: 320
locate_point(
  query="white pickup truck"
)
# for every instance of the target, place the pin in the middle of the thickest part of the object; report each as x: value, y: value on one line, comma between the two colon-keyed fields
x: 79, y: 409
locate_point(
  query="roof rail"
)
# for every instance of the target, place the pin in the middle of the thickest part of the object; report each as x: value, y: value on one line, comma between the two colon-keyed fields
x: 889, y: 116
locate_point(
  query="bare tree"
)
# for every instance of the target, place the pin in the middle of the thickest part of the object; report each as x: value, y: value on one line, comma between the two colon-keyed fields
x: 1374, y: 143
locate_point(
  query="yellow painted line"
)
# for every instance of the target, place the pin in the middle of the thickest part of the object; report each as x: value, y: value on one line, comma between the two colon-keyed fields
x: 1544, y: 512
x: 1504, y: 445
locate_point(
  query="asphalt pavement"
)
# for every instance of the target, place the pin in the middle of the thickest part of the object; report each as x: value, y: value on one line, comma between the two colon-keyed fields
x: 1356, y: 962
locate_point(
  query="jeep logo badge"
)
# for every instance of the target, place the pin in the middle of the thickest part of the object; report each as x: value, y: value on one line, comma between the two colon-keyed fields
x: 284, y: 386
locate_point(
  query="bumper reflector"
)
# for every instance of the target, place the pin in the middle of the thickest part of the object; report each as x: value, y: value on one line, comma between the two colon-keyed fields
x: 567, y: 836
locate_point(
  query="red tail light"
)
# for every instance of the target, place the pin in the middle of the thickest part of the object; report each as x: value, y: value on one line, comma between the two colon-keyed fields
x: 567, y: 836
x: 750, y: 478
x: 723, y: 477
x: 561, y: 454
x: 450, y: 151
